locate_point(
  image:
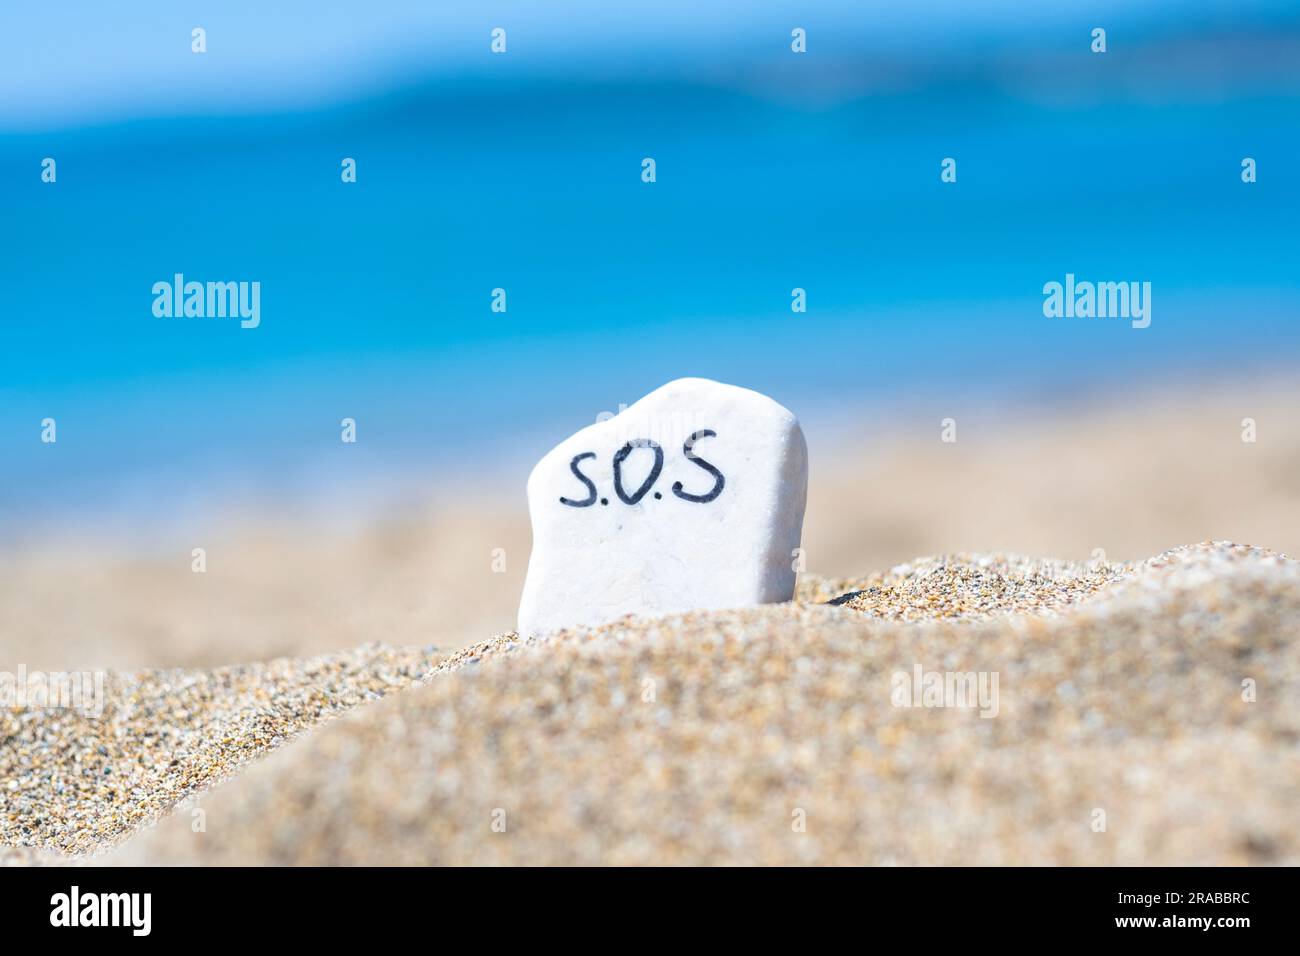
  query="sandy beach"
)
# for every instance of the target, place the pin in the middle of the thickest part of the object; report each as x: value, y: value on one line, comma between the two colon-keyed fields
x: 243, y: 720
x: 1132, y: 475
x: 770, y: 735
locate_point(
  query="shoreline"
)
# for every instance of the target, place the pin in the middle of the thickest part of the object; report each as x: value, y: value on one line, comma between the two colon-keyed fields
x: 1103, y: 482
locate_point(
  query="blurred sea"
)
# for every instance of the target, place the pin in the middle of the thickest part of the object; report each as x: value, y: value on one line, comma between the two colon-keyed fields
x: 774, y: 172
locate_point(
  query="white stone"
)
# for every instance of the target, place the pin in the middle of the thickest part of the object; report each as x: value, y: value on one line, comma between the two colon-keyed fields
x: 715, y: 528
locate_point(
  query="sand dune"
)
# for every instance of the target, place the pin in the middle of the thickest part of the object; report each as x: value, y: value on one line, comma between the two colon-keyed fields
x: 776, y: 735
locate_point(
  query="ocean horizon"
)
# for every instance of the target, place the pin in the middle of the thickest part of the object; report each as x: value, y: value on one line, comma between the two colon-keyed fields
x: 376, y: 296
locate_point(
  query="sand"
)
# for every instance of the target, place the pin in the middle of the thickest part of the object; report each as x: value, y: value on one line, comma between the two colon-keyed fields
x: 1120, y: 680
x: 79, y: 780
x: 764, y: 735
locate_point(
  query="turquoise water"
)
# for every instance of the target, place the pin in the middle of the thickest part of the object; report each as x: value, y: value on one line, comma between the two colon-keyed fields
x: 375, y: 296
